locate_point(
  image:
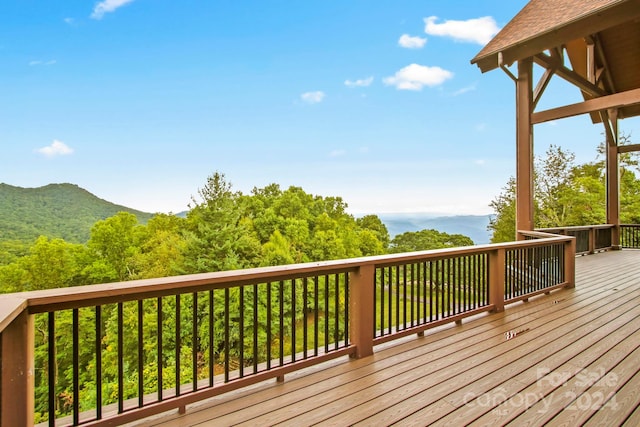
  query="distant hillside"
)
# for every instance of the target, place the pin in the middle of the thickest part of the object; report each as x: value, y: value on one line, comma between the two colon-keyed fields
x: 473, y: 226
x: 55, y: 210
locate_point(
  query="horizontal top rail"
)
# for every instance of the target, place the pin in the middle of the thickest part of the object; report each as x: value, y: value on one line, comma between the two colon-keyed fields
x: 10, y: 308
x: 90, y: 295
x: 537, y: 234
x: 575, y: 228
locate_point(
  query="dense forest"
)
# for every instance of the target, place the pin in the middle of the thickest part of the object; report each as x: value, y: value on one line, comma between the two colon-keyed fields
x: 223, y: 230
x: 63, y: 211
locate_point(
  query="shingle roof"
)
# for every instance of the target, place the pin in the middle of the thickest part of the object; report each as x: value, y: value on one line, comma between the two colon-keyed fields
x: 544, y: 24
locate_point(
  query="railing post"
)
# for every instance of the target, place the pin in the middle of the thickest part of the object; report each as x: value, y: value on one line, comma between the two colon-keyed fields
x: 570, y: 263
x: 17, y: 403
x: 592, y: 240
x: 362, y: 309
x: 615, y: 237
x: 496, y: 279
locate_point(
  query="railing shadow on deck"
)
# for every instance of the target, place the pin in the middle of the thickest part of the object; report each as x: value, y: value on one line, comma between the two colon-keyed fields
x: 114, y: 353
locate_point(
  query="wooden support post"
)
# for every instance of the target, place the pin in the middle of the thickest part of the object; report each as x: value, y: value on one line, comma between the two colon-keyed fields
x: 361, y: 301
x: 592, y: 241
x: 524, y: 147
x: 17, y: 372
x: 570, y: 263
x: 613, y: 178
x: 496, y: 279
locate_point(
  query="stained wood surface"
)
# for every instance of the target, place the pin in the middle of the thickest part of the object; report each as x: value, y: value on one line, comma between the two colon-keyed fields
x: 567, y: 358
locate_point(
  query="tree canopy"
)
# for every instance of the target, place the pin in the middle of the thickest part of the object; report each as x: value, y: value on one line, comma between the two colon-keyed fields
x: 567, y: 194
x: 223, y: 230
x: 63, y: 211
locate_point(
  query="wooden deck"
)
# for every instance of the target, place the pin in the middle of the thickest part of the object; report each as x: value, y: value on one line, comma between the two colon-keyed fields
x: 568, y: 358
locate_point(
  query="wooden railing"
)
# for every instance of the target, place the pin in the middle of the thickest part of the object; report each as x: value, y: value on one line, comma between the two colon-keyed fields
x: 630, y: 236
x: 589, y: 238
x: 237, y: 328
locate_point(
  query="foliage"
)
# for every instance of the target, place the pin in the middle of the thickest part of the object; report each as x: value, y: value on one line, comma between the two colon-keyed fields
x: 223, y: 230
x: 217, y: 238
x: 427, y: 239
x: 503, y: 224
x: 567, y: 194
x: 114, y: 244
x: 63, y: 211
x: 162, y: 248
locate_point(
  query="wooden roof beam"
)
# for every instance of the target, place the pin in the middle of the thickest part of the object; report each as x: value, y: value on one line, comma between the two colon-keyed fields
x: 541, y: 86
x: 571, y: 76
x: 557, y: 54
x: 602, y: 59
x: 591, y: 61
x: 628, y: 148
x: 618, y: 100
x: 608, y: 123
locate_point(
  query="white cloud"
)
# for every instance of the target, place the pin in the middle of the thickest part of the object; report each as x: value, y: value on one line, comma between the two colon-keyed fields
x: 107, y: 6
x: 411, y: 42
x: 414, y: 77
x: 57, y: 148
x: 49, y: 62
x: 479, y: 162
x: 479, y: 30
x: 69, y: 21
x: 337, y: 153
x: 313, y: 97
x: 359, y: 82
x: 460, y: 91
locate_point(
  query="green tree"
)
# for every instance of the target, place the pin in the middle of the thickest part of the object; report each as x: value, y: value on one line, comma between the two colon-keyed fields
x: 277, y: 251
x: 552, y: 185
x: 314, y: 228
x: 427, y: 239
x: 50, y: 263
x: 374, y: 224
x: 162, y: 247
x: 217, y: 235
x: 13, y: 278
x: 503, y: 223
x: 114, y: 244
x: 567, y: 194
x: 11, y: 250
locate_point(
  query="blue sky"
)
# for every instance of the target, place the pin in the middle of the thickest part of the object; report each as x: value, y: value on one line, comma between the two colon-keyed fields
x: 138, y: 101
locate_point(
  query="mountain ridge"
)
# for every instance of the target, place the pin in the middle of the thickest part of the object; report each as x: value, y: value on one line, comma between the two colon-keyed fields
x: 59, y: 210
x: 68, y: 211
x: 472, y: 226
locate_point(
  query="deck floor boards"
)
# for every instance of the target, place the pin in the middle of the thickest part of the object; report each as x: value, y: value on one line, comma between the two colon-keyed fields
x: 575, y: 360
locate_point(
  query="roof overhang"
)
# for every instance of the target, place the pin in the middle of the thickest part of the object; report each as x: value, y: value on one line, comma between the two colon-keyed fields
x: 514, y: 48
x: 601, y: 39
